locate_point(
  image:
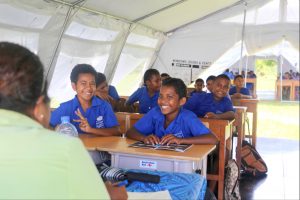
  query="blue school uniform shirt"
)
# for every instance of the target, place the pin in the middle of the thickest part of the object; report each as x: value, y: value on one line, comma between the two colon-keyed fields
x: 203, y: 103
x: 146, y: 102
x: 99, y: 115
x: 113, y: 92
x: 243, y: 91
x: 185, y: 125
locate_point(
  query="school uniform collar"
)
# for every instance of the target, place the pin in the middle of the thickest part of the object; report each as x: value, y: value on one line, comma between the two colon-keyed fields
x: 95, y: 101
x: 175, y: 121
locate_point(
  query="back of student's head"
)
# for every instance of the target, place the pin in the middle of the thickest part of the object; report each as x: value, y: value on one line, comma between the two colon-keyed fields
x: 211, y: 78
x: 21, y: 78
x: 177, y: 84
x: 165, y: 75
x: 100, y: 78
x: 82, y: 69
x: 149, y: 73
x: 238, y: 76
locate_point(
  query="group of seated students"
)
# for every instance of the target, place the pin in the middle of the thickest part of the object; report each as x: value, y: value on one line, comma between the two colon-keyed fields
x: 170, y: 117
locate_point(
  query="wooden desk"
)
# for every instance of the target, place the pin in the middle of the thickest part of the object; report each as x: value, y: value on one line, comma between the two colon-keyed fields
x: 251, y: 105
x: 240, y: 119
x: 293, y: 91
x: 222, y: 129
x: 131, y: 158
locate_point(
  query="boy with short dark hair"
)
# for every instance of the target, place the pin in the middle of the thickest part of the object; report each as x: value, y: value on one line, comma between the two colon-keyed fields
x: 88, y: 113
x: 239, y: 91
x: 209, y: 83
x: 199, y: 85
x: 214, y: 105
x: 148, y: 94
x: 169, y: 122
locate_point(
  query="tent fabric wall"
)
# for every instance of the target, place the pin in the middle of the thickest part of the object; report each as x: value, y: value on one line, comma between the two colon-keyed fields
x: 64, y: 36
x: 217, y: 39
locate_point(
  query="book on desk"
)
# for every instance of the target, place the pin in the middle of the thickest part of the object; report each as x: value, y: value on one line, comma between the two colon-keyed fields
x: 170, y: 147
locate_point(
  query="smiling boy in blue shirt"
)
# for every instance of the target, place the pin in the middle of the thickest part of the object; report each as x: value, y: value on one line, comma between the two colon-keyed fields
x: 88, y: 113
x: 148, y: 94
x: 215, y: 105
x: 169, y: 122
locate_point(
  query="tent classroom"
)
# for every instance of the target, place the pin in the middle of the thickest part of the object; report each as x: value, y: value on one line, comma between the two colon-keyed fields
x: 187, y: 39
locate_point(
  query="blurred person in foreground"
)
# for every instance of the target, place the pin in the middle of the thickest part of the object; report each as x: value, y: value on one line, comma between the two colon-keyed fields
x: 37, y: 163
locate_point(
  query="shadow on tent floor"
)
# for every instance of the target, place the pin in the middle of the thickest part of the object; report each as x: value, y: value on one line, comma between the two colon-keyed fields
x: 282, y: 179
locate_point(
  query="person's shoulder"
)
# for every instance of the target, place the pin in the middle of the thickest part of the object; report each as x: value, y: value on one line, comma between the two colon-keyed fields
x: 98, y: 102
x: 155, y: 112
x: 55, y: 139
x: 187, y: 114
x: 67, y: 103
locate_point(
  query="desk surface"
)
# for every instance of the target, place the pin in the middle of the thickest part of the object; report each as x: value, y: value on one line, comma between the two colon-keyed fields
x: 120, y: 145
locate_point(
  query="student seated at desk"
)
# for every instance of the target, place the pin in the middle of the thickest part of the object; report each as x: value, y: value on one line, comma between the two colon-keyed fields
x: 170, y: 123
x: 148, y: 94
x: 37, y: 163
x: 238, y: 91
x: 88, y: 113
x: 215, y: 105
x: 106, y: 92
x: 199, y: 85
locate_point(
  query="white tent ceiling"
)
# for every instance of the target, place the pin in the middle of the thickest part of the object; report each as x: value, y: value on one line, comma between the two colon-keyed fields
x: 162, y: 15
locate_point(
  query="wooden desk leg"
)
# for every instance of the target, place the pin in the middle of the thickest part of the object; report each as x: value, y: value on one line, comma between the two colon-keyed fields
x: 222, y: 151
x: 239, y: 144
x: 254, y: 128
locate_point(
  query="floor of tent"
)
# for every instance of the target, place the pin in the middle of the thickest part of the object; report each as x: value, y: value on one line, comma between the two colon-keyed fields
x: 282, y: 179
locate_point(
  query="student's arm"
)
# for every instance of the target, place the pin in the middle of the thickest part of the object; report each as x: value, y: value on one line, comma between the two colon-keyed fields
x: 149, y: 139
x: 229, y: 115
x: 85, y: 126
x: 144, y: 129
x: 134, y: 97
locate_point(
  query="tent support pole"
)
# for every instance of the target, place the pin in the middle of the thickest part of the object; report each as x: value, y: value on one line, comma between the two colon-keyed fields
x: 242, y: 42
x: 61, y: 35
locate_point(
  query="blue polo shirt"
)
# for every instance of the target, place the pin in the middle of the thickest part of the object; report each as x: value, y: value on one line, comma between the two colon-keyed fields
x: 146, y: 102
x: 113, y: 92
x: 99, y: 115
x: 243, y: 91
x: 185, y: 125
x: 203, y: 103
x: 195, y: 92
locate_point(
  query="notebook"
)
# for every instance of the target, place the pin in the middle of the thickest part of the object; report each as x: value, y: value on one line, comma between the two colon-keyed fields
x: 170, y: 147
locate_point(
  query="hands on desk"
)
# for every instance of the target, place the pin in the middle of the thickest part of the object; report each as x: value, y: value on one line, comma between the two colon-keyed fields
x: 167, y: 139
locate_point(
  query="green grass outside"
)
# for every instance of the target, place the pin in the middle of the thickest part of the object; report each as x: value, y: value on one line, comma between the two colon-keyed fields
x: 278, y: 119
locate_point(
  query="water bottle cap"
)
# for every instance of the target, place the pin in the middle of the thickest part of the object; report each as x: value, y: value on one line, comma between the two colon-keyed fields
x: 65, y: 119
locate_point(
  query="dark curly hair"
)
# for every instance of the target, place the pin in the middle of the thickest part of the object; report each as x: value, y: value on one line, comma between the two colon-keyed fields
x: 177, y: 84
x: 21, y: 78
x: 82, y: 69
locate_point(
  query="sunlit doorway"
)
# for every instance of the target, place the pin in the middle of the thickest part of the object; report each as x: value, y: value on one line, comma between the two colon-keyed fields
x: 266, y: 74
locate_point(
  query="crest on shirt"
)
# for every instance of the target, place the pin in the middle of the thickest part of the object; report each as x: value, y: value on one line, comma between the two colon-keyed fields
x: 99, y: 122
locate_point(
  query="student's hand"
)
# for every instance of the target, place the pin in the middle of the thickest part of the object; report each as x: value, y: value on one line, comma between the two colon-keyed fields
x: 211, y: 115
x: 151, y: 139
x: 83, y: 123
x: 115, y: 192
x: 170, y: 139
